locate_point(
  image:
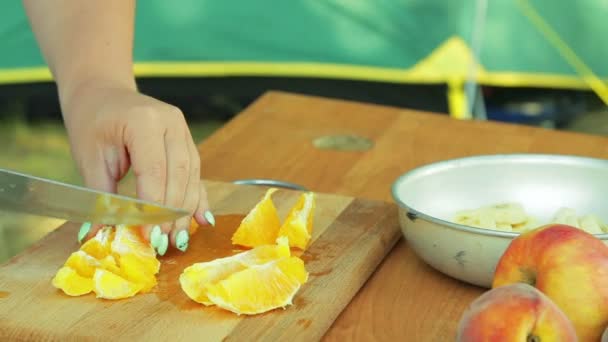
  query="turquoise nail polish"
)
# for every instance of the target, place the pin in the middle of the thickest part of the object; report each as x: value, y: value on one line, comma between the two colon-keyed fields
x: 84, y: 230
x: 181, y: 240
x: 163, y: 244
x: 155, y: 236
x: 209, y: 217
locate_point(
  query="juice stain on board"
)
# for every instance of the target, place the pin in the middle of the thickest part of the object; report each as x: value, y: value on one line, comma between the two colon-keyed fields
x: 304, y: 323
x: 207, y: 244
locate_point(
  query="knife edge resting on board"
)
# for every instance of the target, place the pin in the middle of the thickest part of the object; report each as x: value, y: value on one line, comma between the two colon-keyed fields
x: 44, y: 197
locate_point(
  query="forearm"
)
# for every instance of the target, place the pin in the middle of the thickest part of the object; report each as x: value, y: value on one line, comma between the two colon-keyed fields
x: 85, y: 42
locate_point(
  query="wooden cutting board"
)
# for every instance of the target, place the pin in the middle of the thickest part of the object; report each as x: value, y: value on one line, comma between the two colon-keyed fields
x: 351, y: 237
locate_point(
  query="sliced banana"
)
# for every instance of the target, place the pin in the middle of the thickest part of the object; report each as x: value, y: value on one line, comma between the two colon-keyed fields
x: 502, y: 216
x: 566, y: 216
x: 589, y: 223
x: 512, y: 217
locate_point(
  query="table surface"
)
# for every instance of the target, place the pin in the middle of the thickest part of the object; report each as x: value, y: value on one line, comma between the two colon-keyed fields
x: 273, y: 137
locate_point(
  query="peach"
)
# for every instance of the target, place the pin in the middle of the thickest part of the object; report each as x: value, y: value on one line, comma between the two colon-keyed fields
x: 568, y: 265
x: 516, y: 312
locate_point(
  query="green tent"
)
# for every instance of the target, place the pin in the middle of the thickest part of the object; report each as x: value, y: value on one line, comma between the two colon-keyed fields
x: 508, y: 43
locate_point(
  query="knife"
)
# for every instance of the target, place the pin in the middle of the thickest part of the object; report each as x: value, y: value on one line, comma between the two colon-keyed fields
x: 44, y: 197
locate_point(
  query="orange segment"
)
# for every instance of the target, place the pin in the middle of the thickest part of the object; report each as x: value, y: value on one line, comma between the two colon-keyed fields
x: 298, y: 224
x: 128, y: 241
x: 261, y: 225
x: 265, y: 253
x: 116, y: 263
x: 83, y: 263
x: 275, y: 285
x: 195, y: 278
x: 109, y: 263
x: 108, y: 285
x: 133, y: 269
x: 265, y: 277
x: 71, y: 283
x: 99, y: 246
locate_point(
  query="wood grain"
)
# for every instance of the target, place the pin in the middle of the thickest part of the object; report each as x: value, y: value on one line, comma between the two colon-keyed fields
x: 351, y: 236
x: 405, y: 299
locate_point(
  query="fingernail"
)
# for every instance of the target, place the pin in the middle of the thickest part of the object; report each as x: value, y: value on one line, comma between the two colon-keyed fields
x: 84, y: 230
x: 163, y: 244
x: 209, y: 217
x: 155, y: 236
x: 181, y: 240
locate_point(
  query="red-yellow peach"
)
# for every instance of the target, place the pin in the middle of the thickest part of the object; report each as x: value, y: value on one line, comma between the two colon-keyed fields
x: 568, y: 265
x: 514, y: 313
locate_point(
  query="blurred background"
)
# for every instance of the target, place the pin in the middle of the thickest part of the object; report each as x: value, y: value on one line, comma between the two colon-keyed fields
x: 528, y: 62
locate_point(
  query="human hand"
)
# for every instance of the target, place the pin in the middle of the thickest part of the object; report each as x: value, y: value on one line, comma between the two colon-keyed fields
x: 113, y: 129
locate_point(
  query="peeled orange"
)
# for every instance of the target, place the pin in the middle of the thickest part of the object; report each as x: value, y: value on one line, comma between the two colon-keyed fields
x: 116, y: 263
x: 128, y: 243
x: 261, y: 225
x: 267, y: 272
x: 133, y: 269
x: 111, y: 286
x: 83, y: 264
x: 276, y: 283
x: 212, y: 271
x: 298, y: 224
x: 99, y: 246
x: 72, y: 283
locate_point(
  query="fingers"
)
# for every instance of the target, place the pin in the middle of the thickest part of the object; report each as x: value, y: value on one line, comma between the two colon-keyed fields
x: 181, y: 235
x: 166, y: 165
x: 207, y: 216
x: 203, y: 214
x: 96, y: 175
x: 178, y: 173
x: 154, y: 234
x: 148, y: 160
x: 146, y: 146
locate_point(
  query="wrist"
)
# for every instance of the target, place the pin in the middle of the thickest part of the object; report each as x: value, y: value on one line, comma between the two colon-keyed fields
x: 76, y: 94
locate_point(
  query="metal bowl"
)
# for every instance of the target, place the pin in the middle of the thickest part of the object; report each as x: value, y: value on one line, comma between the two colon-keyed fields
x: 430, y: 195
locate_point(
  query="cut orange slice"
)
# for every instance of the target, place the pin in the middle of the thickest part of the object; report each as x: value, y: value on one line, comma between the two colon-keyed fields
x: 83, y: 263
x: 128, y: 241
x: 99, y: 246
x: 260, y: 288
x: 108, y: 285
x: 298, y: 224
x: 109, y: 263
x: 195, y: 278
x: 116, y: 263
x: 133, y: 269
x: 261, y: 225
x: 72, y: 283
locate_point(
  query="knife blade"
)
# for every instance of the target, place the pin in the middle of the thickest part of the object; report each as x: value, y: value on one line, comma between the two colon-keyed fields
x: 29, y: 194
